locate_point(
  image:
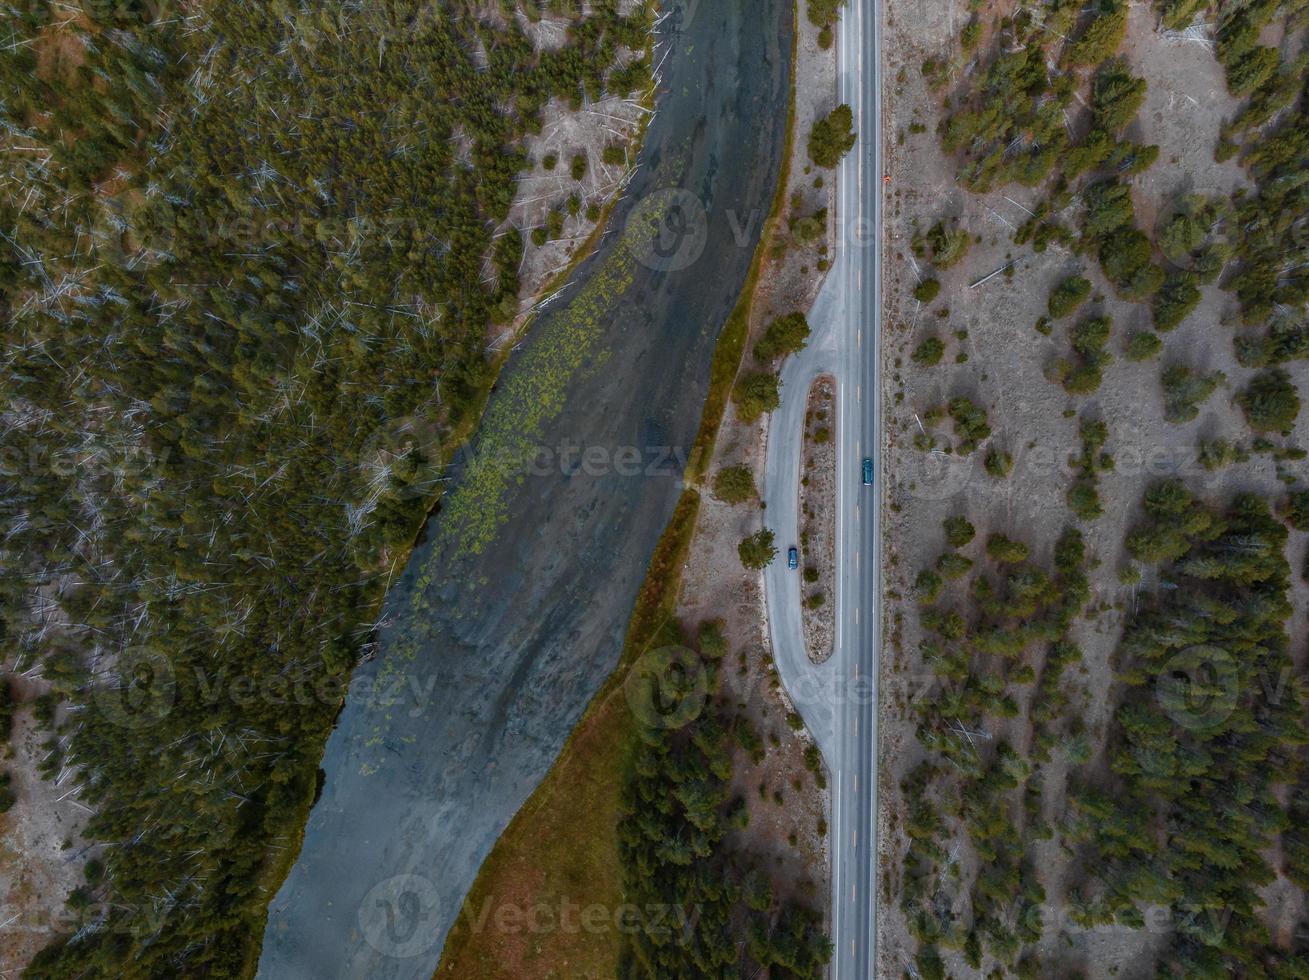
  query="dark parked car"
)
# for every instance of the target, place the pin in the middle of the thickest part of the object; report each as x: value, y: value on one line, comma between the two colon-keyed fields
x: 792, y: 558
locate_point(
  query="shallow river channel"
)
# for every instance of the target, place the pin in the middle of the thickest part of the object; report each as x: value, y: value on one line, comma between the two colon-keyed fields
x: 511, y: 615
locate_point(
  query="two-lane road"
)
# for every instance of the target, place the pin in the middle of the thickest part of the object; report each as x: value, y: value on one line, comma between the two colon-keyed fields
x: 838, y: 699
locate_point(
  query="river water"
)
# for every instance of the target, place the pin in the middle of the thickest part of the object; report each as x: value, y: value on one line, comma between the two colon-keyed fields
x: 507, y: 621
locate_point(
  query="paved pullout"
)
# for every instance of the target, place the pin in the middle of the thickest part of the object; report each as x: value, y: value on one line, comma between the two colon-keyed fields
x: 838, y: 699
x: 491, y: 657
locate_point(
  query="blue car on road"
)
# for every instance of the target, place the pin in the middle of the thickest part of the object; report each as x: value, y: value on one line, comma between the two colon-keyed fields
x: 792, y: 558
x: 868, y: 471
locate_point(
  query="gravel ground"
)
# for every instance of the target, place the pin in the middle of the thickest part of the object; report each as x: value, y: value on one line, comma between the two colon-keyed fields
x: 1004, y: 371
x: 818, y: 516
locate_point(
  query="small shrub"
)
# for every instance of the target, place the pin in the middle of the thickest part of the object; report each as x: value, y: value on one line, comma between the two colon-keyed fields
x: 929, y: 352
x: 1068, y: 296
x: 999, y: 463
x: 1185, y: 390
x: 1143, y: 346
x: 927, y: 290
x: 927, y: 586
x: 756, y: 395
x: 970, y: 424
x: 806, y: 229
x: 1217, y: 454
x: 832, y: 137
x: 1090, y: 335
x: 1084, y: 500
x: 734, y: 484
x: 1270, y: 401
x: 757, y: 551
x: 958, y: 531
x: 1005, y: 550
x: 1296, y: 510
x: 785, y: 335
x: 945, y: 242
x: 1174, y: 302
x: 953, y: 565
x: 823, y: 13
x: 970, y: 35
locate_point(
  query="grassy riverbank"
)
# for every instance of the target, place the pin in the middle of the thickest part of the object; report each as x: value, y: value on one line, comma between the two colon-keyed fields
x: 561, y: 850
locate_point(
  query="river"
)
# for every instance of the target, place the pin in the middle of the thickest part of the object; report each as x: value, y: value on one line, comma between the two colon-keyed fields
x: 508, y: 619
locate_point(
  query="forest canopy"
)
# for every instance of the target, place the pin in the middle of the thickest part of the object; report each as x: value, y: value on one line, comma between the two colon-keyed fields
x: 248, y: 260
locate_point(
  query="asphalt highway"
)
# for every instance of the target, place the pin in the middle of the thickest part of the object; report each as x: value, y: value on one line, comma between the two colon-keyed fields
x: 838, y: 699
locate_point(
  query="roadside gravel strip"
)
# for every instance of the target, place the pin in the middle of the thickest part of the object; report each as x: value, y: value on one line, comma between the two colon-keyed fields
x: 818, y: 520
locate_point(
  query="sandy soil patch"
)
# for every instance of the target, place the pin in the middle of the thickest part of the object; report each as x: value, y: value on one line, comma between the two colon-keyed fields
x: 796, y: 269
x: 548, y: 187
x: 42, y: 851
